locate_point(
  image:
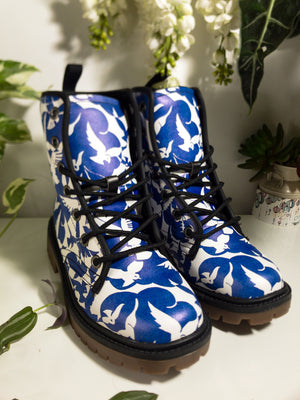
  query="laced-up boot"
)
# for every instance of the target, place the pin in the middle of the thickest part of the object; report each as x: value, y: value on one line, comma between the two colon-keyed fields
x: 125, y: 299
x: 231, y: 277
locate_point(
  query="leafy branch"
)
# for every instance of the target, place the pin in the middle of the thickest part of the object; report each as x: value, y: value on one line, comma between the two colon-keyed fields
x: 13, y: 78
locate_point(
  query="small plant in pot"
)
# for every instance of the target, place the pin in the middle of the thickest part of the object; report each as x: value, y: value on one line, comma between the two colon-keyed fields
x: 277, y: 166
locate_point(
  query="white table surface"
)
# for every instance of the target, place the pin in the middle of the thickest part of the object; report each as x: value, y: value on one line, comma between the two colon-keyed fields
x: 243, y: 363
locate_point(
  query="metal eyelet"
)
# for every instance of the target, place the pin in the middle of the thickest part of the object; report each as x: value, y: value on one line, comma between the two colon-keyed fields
x: 55, y: 142
x: 165, y: 194
x: 54, y: 113
x: 94, y: 262
x: 155, y: 176
x: 143, y: 107
x: 83, y: 242
x: 176, y: 214
x: 66, y: 190
x: 76, y: 217
x: 59, y: 165
x: 188, y: 232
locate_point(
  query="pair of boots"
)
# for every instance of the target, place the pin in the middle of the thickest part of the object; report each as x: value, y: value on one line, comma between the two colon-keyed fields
x: 142, y: 234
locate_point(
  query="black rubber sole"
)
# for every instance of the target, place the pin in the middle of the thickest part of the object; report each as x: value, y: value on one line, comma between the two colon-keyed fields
x: 235, y: 310
x: 145, y: 357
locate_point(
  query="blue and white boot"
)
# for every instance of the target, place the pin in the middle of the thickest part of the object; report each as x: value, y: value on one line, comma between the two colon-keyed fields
x: 125, y: 299
x: 231, y: 278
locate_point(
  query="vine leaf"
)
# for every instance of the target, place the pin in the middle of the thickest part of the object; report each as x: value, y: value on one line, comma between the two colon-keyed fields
x: 18, y: 326
x: 135, y: 395
x: 13, y: 78
x: 14, y: 195
x: 265, y: 24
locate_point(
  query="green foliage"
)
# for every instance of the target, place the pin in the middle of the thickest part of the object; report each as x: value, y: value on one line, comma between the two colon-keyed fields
x: 19, y: 325
x: 223, y: 73
x: 14, y: 195
x: 265, y: 149
x: 265, y: 24
x: 100, y: 32
x: 13, y: 78
x: 135, y: 395
x: 12, y: 131
x: 165, y: 59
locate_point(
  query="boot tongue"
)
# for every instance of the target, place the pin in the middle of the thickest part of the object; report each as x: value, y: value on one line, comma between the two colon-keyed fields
x: 99, y: 146
x: 177, y: 125
x: 98, y: 136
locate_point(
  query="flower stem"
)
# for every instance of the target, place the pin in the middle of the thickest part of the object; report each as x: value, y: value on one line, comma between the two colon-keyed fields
x: 44, y: 306
x: 8, y: 225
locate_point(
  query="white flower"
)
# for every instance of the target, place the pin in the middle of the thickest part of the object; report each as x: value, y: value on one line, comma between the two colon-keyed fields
x: 184, y: 8
x: 167, y: 24
x: 184, y: 43
x: 186, y: 24
x: 162, y: 4
x: 223, y: 18
x: 109, y: 8
x: 230, y: 42
x: 153, y: 44
x: 205, y: 6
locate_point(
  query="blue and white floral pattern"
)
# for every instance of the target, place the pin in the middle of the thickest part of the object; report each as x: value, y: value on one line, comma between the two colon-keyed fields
x: 226, y: 262
x: 144, y: 297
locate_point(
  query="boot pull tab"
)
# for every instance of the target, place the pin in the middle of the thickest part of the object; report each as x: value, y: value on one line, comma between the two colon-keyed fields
x: 72, y: 75
x: 157, y: 78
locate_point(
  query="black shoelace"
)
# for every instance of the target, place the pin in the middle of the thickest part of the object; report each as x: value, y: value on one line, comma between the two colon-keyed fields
x: 179, y: 184
x: 106, y: 191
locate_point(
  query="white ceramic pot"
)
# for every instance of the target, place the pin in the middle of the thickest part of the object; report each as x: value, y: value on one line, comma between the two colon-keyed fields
x: 278, y: 197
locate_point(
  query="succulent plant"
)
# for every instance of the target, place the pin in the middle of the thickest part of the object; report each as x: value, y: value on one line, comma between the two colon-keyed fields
x: 265, y: 149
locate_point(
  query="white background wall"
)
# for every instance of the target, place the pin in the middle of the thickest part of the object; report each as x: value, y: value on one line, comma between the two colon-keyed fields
x: 50, y: 33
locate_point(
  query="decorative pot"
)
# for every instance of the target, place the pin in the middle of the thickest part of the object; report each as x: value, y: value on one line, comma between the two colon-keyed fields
x: 278, y: 197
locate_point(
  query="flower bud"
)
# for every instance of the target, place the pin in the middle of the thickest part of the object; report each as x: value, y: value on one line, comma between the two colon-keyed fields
x: 230, y: 42
x: 218, y: 57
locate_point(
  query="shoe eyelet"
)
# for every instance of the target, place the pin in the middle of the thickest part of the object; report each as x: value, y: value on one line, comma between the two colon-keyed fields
x: 188, y: 232
x: 165, y: 194
x: 143, y: 107
x: 55, y: 142
x: 155, y: 176
x: 94, y: 262
x: 176, y: 214
x: 76, y: 217
x: 83, y: 242
x: 54, y: 113
x: 59, y: 166
x: 66, y: 190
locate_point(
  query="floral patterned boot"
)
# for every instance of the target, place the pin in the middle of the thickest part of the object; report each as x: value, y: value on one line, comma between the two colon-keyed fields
x: 125, y: 299
x: 231, y: 278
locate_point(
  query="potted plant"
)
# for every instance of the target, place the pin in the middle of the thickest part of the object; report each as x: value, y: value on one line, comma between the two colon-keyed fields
x: 278, y: 174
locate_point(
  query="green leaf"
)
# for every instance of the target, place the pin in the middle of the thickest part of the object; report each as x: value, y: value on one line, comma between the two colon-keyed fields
x: 13, y: 78
x: 13, y: 130
x: 296, y: 27
x: 19, y: 325
x: 14, y: 196
x: 135, y: 395
x: 265, y: 24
